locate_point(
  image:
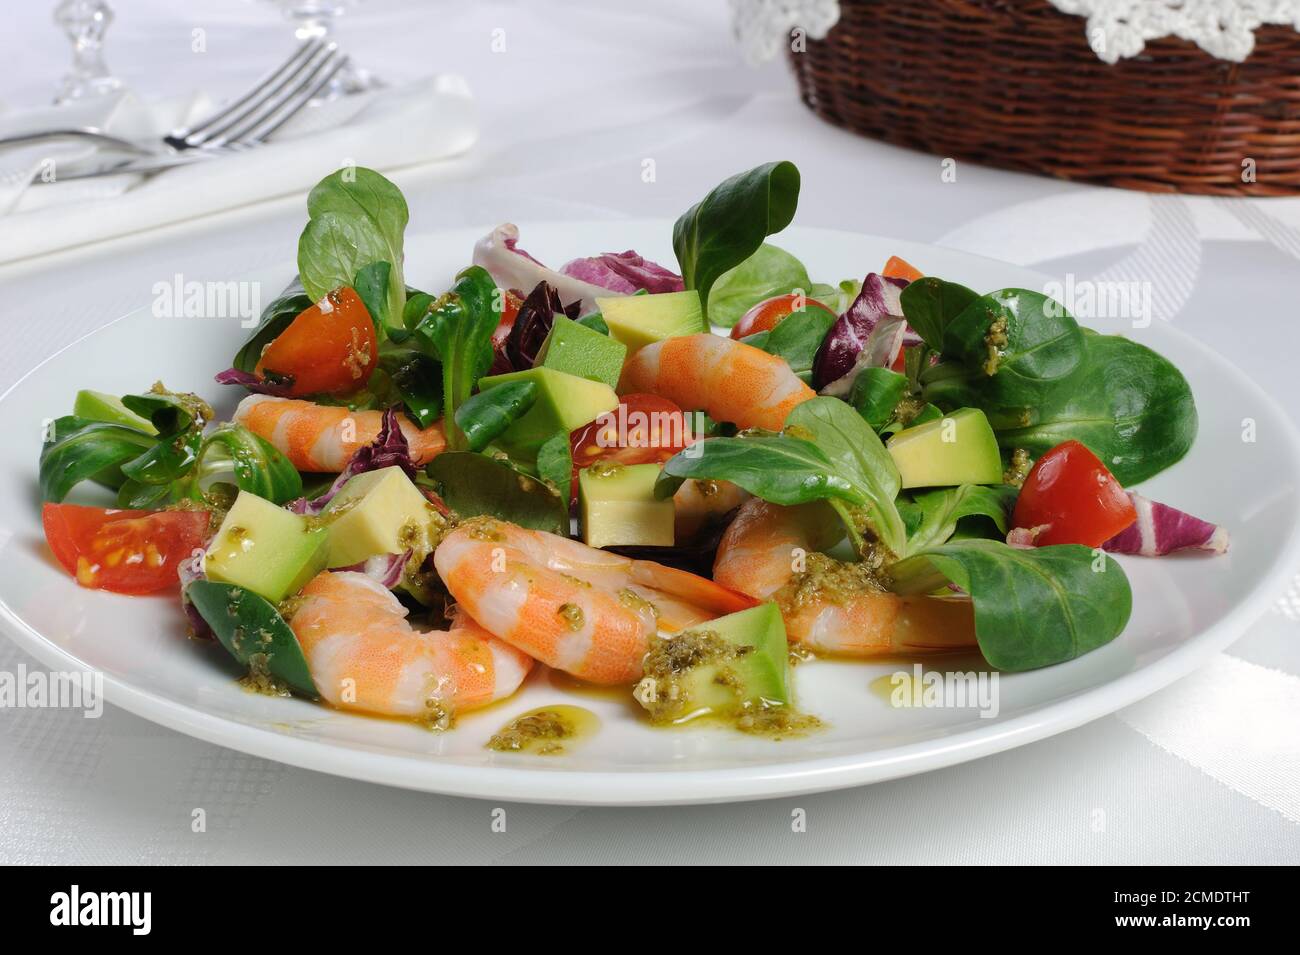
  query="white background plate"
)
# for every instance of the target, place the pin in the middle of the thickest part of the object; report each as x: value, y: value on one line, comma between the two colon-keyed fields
x: 1185, y: 608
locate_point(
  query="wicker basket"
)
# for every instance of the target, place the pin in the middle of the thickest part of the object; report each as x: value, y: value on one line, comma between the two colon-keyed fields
x: 1014, y: 83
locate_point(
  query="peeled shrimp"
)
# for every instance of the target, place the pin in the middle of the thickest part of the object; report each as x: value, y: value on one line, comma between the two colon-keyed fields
x: 573, y: 607
x: 323, y: 437
x: 364, y: 655
x: 771, y: 553
x: 729, y: 380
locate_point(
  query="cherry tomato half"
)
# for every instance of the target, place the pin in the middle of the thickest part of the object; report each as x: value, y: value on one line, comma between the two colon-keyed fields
x: 769, y: 313
x: 510, y: 303
x: 643, y: 429
x: 1072, y: 494
x: 330, y: 349
x: 127, y: 552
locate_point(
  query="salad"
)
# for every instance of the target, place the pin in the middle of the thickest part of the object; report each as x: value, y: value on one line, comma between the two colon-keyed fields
x: 424, y: 495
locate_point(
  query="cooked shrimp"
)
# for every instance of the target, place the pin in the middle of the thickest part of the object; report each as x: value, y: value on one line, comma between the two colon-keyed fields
x: 772, y: 553
x: 323, y: 437
x: 729, y: 380
x: 573, y: 607
x: 364, y: 655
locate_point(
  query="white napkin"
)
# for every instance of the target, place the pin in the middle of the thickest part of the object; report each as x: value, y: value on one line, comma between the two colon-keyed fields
x: 426, y: 119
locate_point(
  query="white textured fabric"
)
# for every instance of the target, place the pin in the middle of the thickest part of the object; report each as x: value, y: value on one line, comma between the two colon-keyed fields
x: 1135, y: 788
x: 1116, y: 28
x: 426, y: 119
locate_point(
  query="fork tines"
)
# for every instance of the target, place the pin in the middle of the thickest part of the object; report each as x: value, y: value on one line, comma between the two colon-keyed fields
x: 275, y: 98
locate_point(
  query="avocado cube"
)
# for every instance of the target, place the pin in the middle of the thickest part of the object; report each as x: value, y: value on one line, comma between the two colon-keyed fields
x: 377, y: 512
x: 98, y: 406
x: 266, y: 549
x: 958, y: 448
x: 640, y: 320
x: 564, y: 402
x: 725, y: 667
x: 617, y: 505
x: 578, y: 350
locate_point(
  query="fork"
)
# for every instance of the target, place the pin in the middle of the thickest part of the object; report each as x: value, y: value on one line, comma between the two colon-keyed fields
x: 243, y: 124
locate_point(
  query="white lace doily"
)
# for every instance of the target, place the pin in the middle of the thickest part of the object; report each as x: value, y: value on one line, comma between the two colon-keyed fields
x: 1115, y: 28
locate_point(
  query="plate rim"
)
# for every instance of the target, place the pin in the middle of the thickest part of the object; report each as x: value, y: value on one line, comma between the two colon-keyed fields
x: 539, y: 785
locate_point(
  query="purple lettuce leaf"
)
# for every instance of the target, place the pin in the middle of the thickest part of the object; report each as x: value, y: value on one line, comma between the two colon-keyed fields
x: 384, y: 569
x: 390, y: 448
x: 842, y: 345
x: 624, y: 272
x: 189, y: 571
x: 261, y: 386
x: 1161, y: 529
x: 533, y: 324
x: 513, y: 268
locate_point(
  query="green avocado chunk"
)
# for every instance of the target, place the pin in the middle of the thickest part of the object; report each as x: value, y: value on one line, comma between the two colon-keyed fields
x: 578, y: 350
x: 618, y: 506
x: 266, y: 549
x: 564, y: 402
x: 730, y: 667
x: 640, y: 320
x: 958, y: 448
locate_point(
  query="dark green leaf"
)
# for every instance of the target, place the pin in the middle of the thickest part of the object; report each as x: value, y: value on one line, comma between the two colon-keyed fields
x: 777, y: 468
x: 595, y: 321
x: 932, y: 516
x: 860, y: 456
x: 1008, y: 349
x: 416, y: 380
x: 769, y: 271
x: 1129, y: 405
x: 930, y: 304
x: 555, y: 463
x: 253, y: 632
x: 876, y: 393
x: 474, y: 484
x: 729, y: 224
x: 457, y: 330
x: 231, y: 450
x: 1034, y: 607
x: 356, y: 217
x: 488, y: 413
x: 797, y: 338
x: 371, y: 285
x: 80, y: 450
x: 170, y: 458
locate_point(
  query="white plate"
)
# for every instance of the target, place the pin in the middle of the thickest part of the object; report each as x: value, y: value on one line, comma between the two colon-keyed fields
x: 1185, y: 608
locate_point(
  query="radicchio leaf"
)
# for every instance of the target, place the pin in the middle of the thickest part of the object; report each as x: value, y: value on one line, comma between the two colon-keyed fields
x: 190, y: 570
x: 842, y: 345
x: 512, y: 267
x: 533, y: 324
x: 624, y: 272
x: 390, y: 448
x: 384, y: 569
x: 1161, y: 529
x: 262, y: 386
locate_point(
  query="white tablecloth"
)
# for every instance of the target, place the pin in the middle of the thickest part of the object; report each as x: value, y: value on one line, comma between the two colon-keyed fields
x: 583, y: 93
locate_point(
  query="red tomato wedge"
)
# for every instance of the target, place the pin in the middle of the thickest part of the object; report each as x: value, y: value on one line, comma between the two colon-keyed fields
x: 769, y: 313
x: 510, y: 303
x: 1074, y: 498
x: 897, y: 268
x: 329, y: 349
x: 127, y: 552
x: 644, y: 429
